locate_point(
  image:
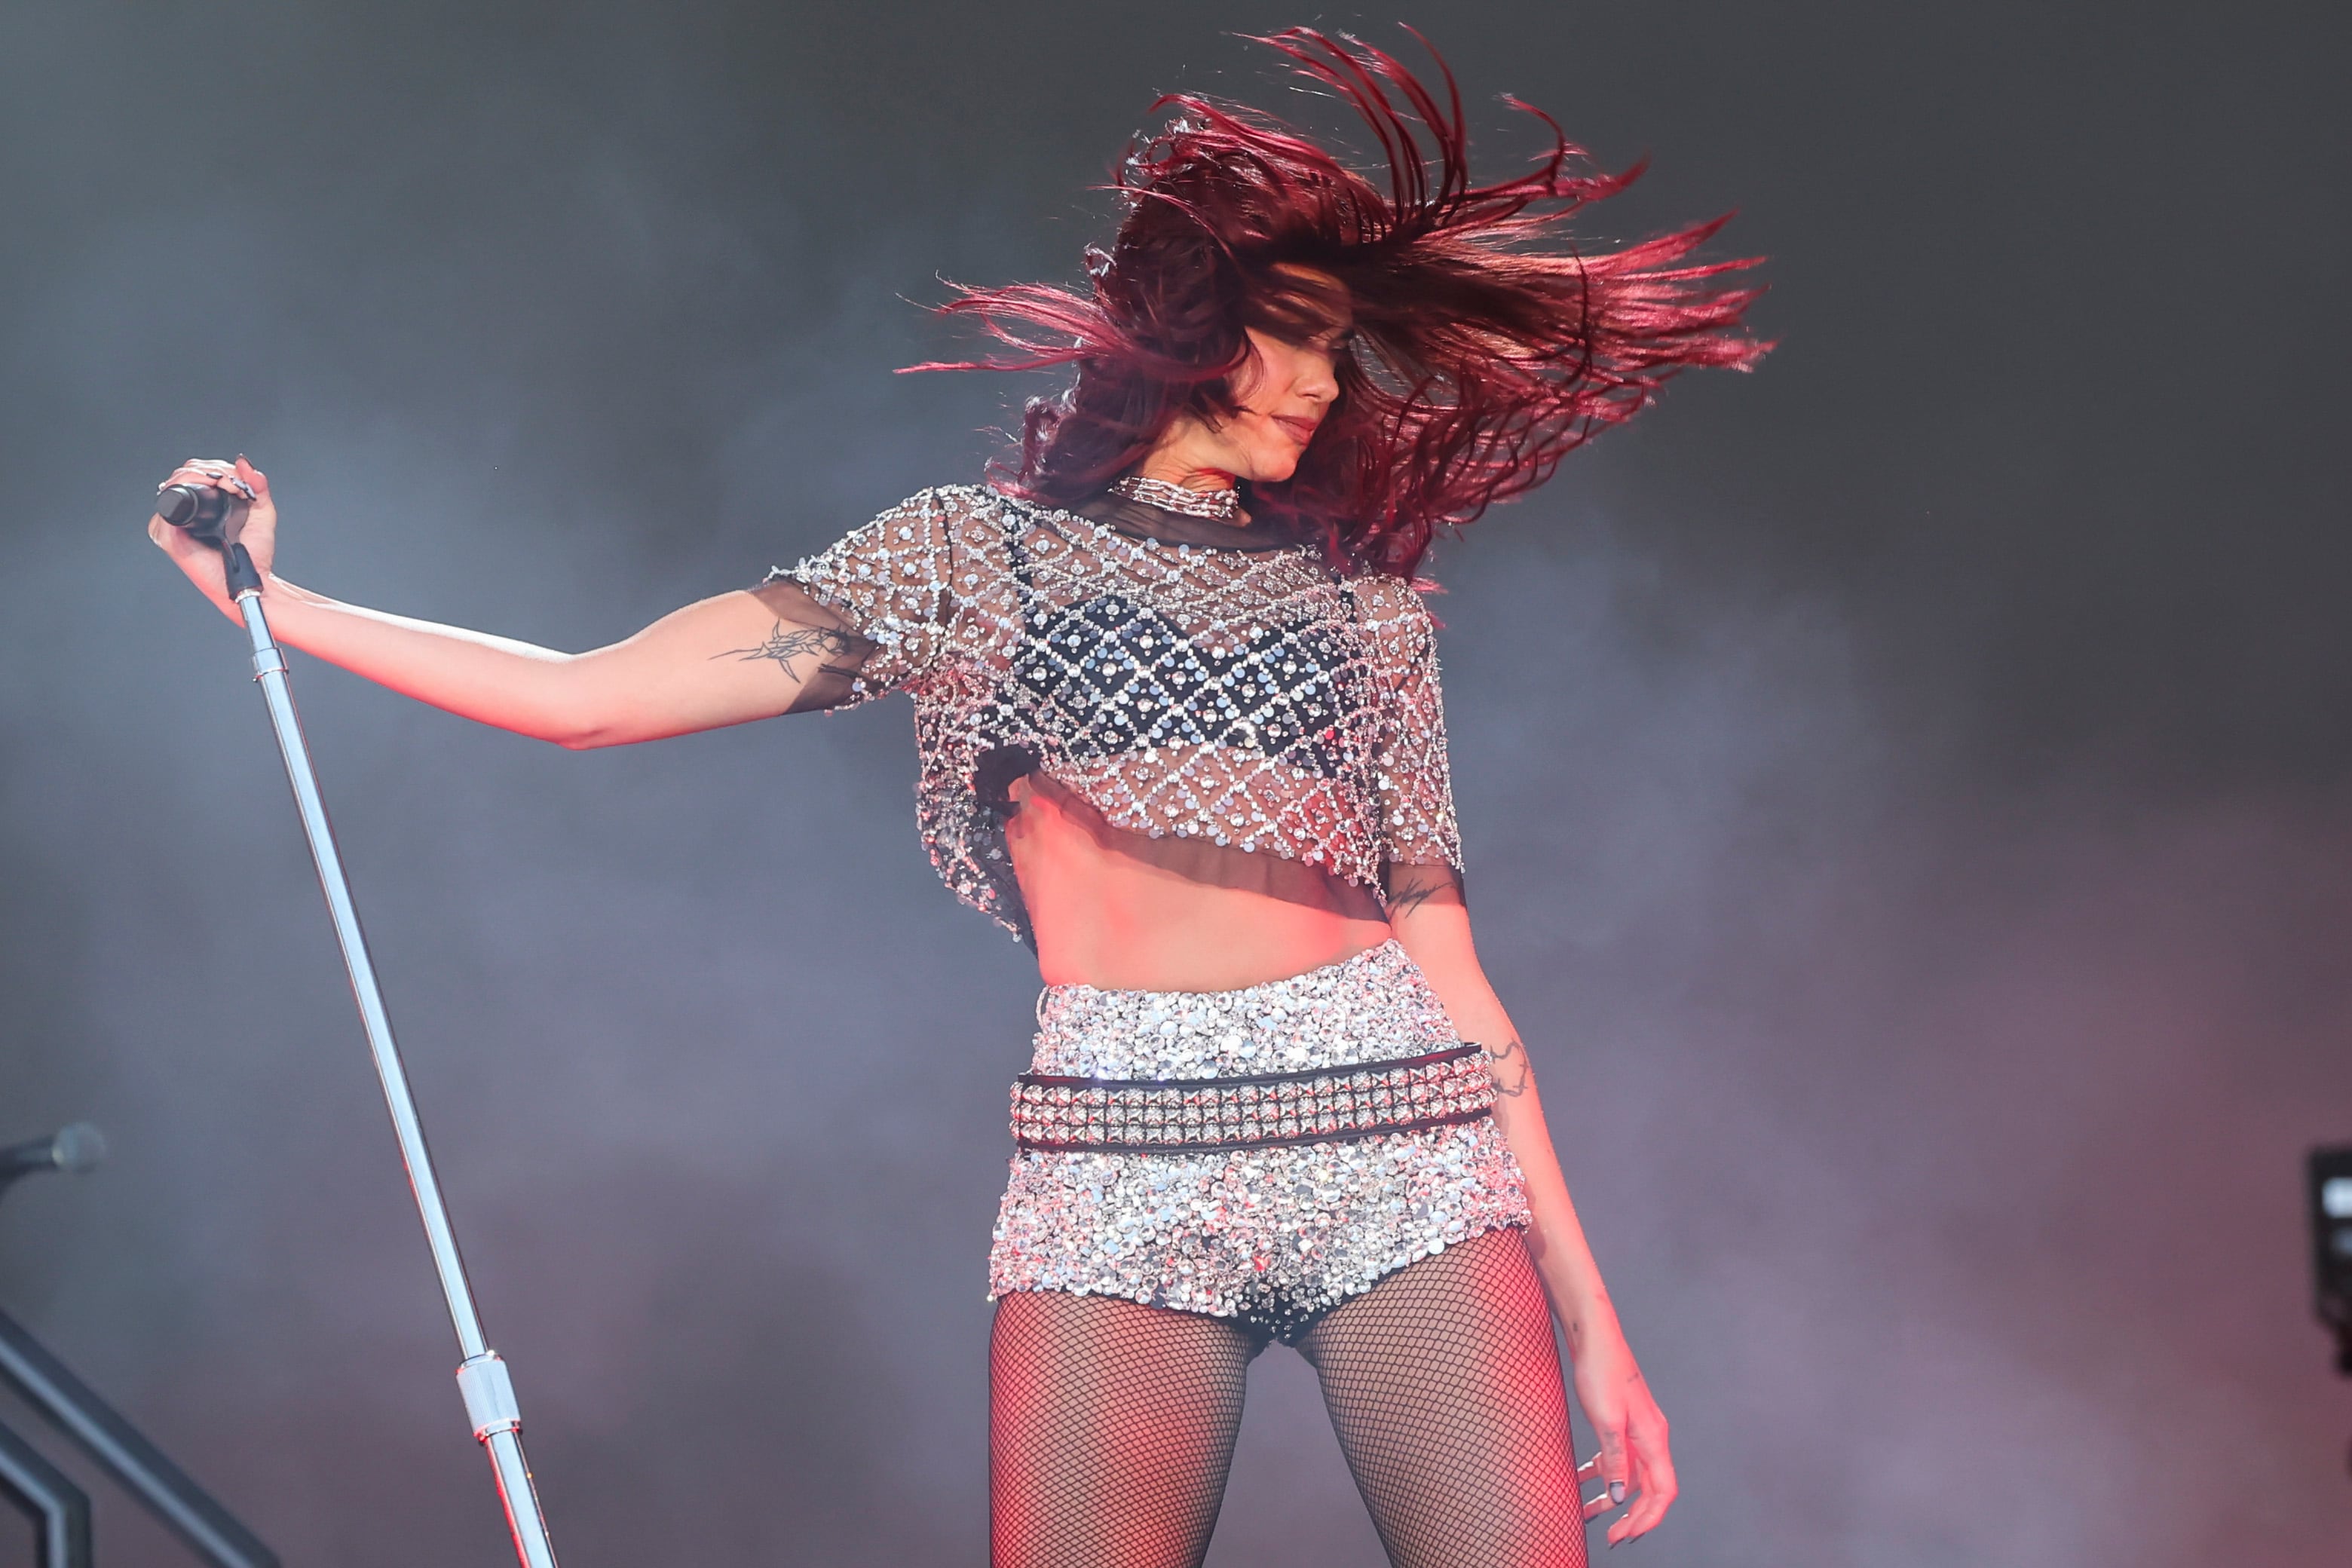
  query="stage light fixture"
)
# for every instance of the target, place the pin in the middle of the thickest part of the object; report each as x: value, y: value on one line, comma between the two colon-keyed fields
x: 2330, y: 1190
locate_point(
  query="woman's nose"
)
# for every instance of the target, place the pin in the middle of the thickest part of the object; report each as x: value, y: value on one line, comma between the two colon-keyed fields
x: 1317, y: 382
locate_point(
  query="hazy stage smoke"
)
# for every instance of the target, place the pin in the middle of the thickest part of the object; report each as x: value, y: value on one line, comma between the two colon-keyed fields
x: 1904, y: 790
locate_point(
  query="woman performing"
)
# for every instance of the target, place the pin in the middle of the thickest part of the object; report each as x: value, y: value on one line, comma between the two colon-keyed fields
x: 1176, y: 703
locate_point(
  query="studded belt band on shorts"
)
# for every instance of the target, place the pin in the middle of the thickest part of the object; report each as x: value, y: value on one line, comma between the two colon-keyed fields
x: 1150, y: 1116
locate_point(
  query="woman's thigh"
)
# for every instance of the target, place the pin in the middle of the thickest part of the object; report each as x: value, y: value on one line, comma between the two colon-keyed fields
x: 1111, y: 1426
x: 1444, y: 1385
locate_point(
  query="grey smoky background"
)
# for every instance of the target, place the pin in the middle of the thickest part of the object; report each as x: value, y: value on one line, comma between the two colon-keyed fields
x: 1908, y: 790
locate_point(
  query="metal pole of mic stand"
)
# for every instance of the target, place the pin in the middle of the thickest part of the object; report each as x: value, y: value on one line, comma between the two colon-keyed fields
x: 482, y: 1377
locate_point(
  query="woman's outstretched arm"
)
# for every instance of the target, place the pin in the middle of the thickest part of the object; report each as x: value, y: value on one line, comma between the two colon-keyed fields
x: 1432, y: 924
x: 725, y: 661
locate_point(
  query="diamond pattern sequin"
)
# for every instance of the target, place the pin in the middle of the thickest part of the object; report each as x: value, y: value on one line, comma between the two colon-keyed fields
x: 1252, y: 697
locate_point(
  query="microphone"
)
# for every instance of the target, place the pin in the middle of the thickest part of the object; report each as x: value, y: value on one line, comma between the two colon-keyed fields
x: 76, y: 1148
x: 202, y: 511
x: 198, y: 509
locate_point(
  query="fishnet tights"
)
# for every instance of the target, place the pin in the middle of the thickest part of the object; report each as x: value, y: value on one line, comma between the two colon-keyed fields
x: 1111, y: 1423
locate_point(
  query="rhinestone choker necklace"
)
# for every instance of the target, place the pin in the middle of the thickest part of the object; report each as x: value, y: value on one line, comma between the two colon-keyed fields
x: 1218, y: 506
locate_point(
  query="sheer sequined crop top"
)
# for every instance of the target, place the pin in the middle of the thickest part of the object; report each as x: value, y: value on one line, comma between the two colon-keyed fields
x: 1245, y: 695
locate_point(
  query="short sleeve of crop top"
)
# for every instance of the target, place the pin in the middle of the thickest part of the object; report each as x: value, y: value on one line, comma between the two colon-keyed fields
x: 887, y: 587
x: 1418, y: 825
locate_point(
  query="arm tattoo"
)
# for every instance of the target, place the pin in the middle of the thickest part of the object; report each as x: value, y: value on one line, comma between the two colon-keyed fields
x: 786, y: 644
x: 1413, y: 898
x: 1406, y: 900
x: 1511, y: 1069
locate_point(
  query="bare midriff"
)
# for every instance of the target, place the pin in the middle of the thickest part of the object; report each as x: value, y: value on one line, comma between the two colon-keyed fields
x: 1124, y: 911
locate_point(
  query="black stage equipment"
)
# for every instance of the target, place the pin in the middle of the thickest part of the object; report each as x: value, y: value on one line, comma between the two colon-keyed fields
x: 482, y: 1379
x: 74, y: 1408
x: 58, y: 1508
x: 73, y: 1149
x: 2329, y: 1188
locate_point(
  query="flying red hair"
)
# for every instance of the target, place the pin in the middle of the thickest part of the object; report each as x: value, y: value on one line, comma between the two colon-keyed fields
x: 1479, y: 358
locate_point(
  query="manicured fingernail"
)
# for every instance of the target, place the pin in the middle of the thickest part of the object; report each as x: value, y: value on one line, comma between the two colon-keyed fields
x: 1616, y: 1491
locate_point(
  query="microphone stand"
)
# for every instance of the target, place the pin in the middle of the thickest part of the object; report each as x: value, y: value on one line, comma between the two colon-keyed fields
x: 482, y: 1378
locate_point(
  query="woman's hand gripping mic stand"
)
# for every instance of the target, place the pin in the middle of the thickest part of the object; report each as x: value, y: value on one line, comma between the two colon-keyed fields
x: 210, y: 515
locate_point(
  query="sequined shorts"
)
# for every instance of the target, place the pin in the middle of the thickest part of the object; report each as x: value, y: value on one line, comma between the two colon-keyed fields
x: 1274, y: 1235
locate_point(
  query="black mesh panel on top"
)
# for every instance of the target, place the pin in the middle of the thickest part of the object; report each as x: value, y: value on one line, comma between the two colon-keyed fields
x: 816, y: 643
x: 1112, y: 1424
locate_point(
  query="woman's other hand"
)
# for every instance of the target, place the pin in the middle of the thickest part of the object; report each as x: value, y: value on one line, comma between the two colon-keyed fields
x: 253, y: 517
x: 1635, y: 1460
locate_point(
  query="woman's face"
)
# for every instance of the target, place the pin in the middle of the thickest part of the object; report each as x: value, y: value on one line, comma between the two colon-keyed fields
x: 1280, y: 397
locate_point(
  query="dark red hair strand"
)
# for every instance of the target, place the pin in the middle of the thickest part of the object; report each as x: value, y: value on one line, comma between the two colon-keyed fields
x: 1486, y: 345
